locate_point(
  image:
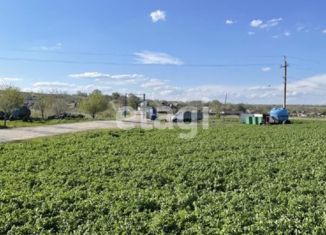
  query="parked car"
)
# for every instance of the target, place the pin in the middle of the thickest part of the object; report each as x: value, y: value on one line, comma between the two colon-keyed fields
x: 22, y: 113
x: 2, y: 115
x: 187, y: 116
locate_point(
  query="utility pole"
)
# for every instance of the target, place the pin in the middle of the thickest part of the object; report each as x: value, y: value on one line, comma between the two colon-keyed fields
x: 145, y: 106
x: 285, y: 67
x: 126, y: 104
x: 226, y: 99
x: 224, y: 109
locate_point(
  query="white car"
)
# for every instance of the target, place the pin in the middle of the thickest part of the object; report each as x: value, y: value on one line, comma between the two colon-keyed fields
x: 187, y: 116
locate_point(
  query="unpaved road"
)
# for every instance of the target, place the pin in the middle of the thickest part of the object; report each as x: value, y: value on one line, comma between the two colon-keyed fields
x: 25, y: 133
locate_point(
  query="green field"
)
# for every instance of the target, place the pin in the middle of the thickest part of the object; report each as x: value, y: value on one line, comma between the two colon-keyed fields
x: 230, y: 179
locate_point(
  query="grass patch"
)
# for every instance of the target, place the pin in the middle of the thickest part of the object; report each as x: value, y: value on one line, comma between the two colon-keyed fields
x: 15, y: 124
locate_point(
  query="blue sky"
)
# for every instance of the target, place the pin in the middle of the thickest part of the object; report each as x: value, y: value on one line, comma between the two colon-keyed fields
x: 168, y: 49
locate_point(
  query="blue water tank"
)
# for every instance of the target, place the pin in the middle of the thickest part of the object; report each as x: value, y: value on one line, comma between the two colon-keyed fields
x: 279, y: 114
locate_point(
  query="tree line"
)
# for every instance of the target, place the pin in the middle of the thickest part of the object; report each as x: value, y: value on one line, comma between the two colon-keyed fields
x: 11, y: 98
x: 96, y: 102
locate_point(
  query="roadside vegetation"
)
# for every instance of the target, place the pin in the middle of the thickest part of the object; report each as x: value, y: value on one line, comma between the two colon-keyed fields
x: 32, y: 109
x: 229, y: 179
x: 10, y: 99
x: 15, y: 124
x: 95, y: 103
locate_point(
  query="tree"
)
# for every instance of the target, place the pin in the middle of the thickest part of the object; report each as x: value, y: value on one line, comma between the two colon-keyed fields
x: 215, y: 106
x: 43, y: 103
x: 115, y: 95
x: 94, y: 103
x: 241, y: 108
x: 59, y: 106
x: 133, y: 101
x: 82, y: 94
x: 10, y: 98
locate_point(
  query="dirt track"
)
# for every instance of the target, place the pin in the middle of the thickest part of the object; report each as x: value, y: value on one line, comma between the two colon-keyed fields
x: 25, y: 133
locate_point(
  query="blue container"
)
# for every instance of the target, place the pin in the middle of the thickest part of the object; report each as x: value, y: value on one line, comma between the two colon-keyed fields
x: 279, y: 115
x: 153, y: 114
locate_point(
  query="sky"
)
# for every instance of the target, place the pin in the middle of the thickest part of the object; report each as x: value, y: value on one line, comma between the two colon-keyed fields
x: 174, y: 50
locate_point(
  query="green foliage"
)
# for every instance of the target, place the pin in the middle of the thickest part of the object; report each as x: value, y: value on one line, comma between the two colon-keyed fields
x: 94, y: 103
x: 59, y: 105
x: 230, y: 179
x: 115, y: 95
x: 15, y: 124
x: 242, y: 108
x: 133, y: 101
x: 10, y: 98
x: 44, y: 102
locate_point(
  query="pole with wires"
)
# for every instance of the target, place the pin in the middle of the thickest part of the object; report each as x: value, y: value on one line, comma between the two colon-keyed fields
x: 285, y: 67
x: 224, y: 109
x: 126, y: 104
x: 145, y: 106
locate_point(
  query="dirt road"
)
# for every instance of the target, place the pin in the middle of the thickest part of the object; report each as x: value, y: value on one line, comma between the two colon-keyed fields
x: 25, y: 133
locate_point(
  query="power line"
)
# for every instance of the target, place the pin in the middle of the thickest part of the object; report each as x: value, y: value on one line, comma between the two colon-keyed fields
x: 97, y: 53
x: 228, y: 65
x: 25, y: 59
x: 72, y: 53
x: 297, y: 67
x: 87, y: 53
x: 304, y: 59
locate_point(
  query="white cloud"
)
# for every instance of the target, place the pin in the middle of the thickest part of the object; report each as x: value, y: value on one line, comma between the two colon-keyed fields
x: 148, y: 57
x: 91, y: 87
x: 287, y: 34
x: 265, y: 69
x: 311, y: 90
x: 230, y: 22
x: 55, y: 47
x: 271, y: 23
x: 63, y: 87
x: 306, y: 91
x: 89, y: 75
x: 310, y: 84
x: 117, y: 79
x: 301, y: 28
x: 158, y: 15
x: 8, y: 80
x: 53, y: 85
x: 153, y: 83
x: 97, y: 75
x: 257, y: 23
